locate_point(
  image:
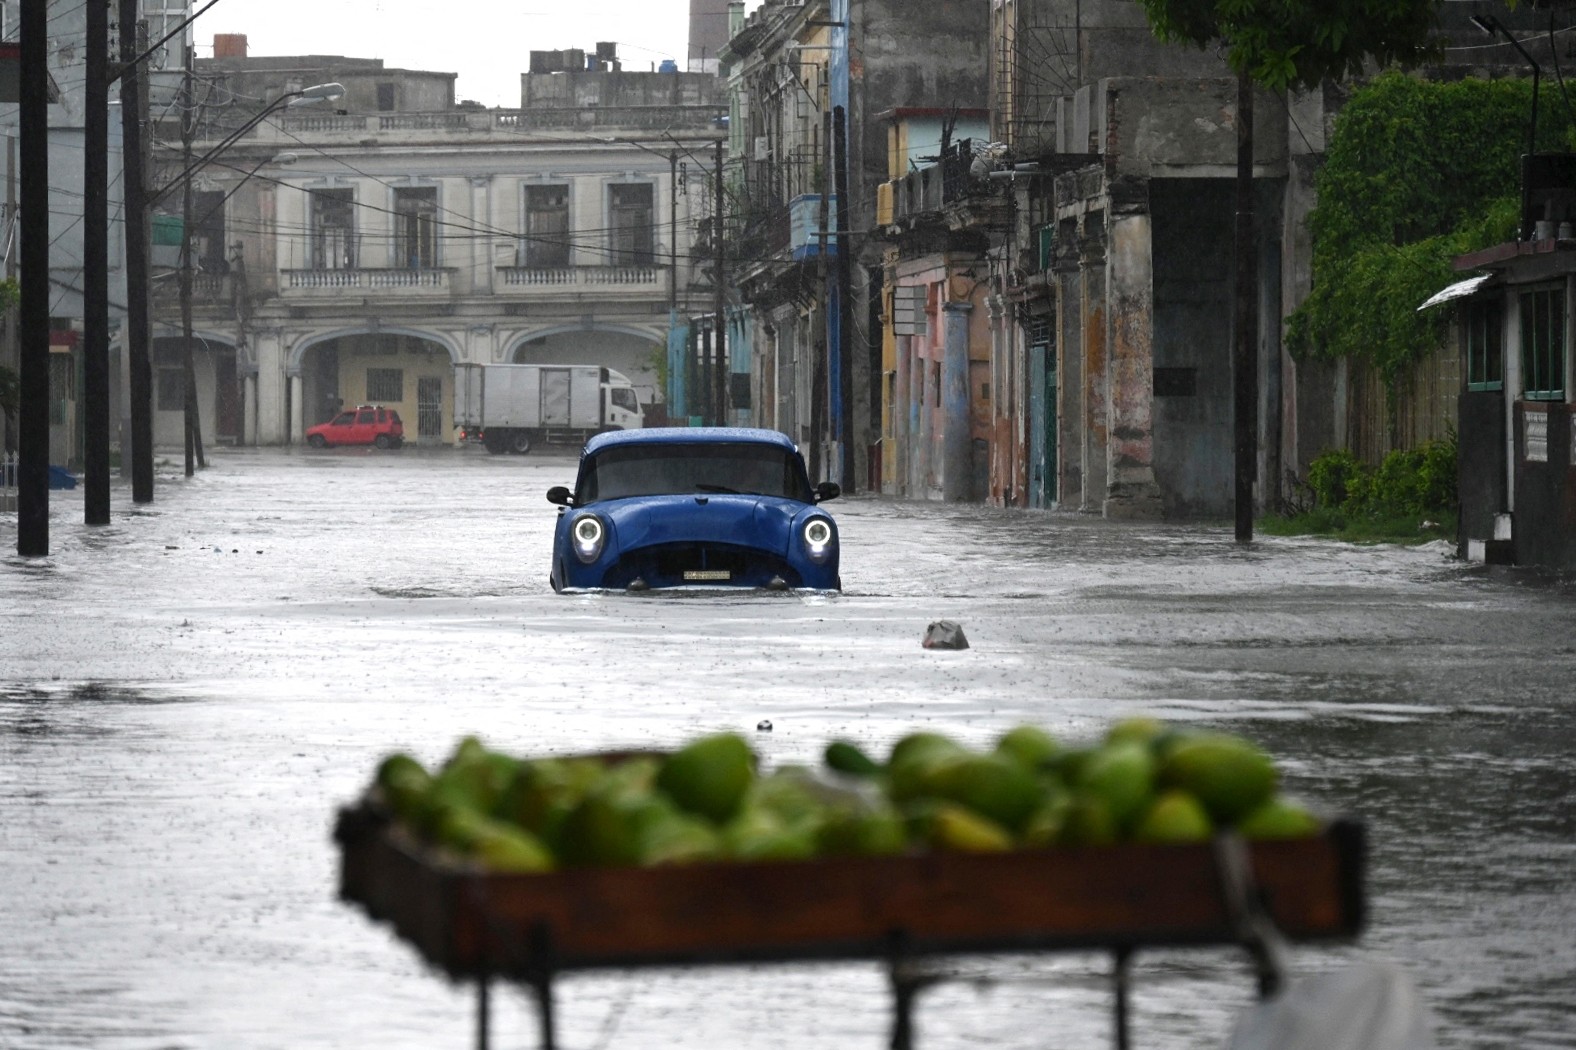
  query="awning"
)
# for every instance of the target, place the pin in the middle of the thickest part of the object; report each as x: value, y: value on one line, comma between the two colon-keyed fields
x: 1456, y: 291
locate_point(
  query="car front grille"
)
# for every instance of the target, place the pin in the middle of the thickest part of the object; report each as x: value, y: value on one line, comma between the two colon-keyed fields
x: 705, y: 564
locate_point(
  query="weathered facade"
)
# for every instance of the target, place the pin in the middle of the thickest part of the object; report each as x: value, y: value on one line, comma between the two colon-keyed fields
x: 354, y: 255
x: 811, y: 82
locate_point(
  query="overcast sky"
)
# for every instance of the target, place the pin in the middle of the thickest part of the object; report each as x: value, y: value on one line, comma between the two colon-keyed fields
x: 488, y: 43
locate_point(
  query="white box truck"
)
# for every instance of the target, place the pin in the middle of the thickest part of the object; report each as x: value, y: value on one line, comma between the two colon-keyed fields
x: 511, y: 408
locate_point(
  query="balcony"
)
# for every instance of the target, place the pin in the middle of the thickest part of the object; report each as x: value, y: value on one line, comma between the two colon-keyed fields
x: 804, y: 222
x: 208, y: 289
x: 404, y: 283
x: 569, y: 280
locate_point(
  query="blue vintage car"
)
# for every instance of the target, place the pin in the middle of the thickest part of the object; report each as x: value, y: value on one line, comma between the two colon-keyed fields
x: 693, y: 507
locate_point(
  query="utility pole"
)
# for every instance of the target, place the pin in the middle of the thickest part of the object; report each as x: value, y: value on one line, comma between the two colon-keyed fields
x: 845, y: 304
x: 133, y: 112
x: 32, y: 472
x: 673, y: 235
x: 95, y: 267
x: 191, y: 418
x: 720, y: 342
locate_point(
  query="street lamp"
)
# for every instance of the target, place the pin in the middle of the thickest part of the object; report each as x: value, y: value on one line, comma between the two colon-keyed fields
x: 1492, y: 26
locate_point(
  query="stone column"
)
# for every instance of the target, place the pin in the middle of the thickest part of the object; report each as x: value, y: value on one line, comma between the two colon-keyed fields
x: 956, y: 436
x: 249, y: 408
x: 297, y: 413
x: 267, y: 344
x: 1092, y: 329
x: 1068, y: 339
x: 1131, y: 491
x: 902, y: 401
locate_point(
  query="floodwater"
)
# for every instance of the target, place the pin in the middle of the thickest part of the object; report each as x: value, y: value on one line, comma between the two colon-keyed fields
x: 188, y: 694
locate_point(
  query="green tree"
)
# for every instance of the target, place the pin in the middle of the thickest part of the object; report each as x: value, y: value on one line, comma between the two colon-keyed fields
x: 1283, y: 44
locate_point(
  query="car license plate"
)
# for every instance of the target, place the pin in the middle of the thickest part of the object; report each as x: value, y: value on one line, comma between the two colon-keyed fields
x: 707, y: 574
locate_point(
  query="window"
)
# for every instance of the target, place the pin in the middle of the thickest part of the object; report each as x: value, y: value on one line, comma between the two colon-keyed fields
x: 366, y: 415
x: 630, y: 219
x: 656, y: 470
x: 208, y: 231
x: 1543, y: 344
x: 62, y: 386
x: 416, y: 227
x: 333, y: 229
x: 385, y: 98
x: 385, y: 384
x: 546, y: 226
x: 1482, y: 331
x: 172, y: 389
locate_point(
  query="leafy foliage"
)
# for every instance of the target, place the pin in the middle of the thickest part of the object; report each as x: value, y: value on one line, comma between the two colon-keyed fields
x: 1410, y: 496
x: 1417, y: 173
x: 1298, y: 43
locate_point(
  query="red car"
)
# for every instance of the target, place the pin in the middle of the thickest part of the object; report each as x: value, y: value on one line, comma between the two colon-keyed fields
x: 366, y: 425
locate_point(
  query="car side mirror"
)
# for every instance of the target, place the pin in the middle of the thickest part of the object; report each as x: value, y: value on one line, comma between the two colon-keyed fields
x: 827, y: 490
x: 559, y: 494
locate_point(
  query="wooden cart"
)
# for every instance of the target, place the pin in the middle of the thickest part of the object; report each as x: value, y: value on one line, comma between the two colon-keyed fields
x: 898, y: 910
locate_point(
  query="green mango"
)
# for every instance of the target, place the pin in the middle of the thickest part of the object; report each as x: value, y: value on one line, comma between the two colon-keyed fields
x: 709, y: 776
x: 848, y: 758
x: 1279, y: 818
x: 1045, y: 825
x: 1030, y: 745
x: 507, y: 849
x: 1174, y: 816
x: 1230, y: 776
x: 954, y: 827
x: 1088, y: 822
x: 995, y: 786
x: 1122, y: 774
x: 1139, y: 729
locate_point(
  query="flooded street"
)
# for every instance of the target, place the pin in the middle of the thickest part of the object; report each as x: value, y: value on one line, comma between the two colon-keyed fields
x: 188, y: 694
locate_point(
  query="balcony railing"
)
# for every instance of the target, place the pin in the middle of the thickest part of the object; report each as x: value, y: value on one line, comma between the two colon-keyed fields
x: 207, y: 288
x: 567, y: 278
x: 434, y: 282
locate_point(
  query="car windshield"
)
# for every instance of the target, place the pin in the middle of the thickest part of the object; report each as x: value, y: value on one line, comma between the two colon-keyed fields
x: 665, y: 470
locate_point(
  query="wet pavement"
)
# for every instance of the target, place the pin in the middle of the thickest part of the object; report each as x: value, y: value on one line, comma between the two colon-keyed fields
x: 189, y: 693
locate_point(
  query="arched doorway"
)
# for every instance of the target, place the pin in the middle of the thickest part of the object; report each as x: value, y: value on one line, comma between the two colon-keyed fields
x: 220, y: 415
x: 410, y: 372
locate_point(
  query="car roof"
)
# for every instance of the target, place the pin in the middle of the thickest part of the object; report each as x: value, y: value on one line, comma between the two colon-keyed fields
x: 689, y: 436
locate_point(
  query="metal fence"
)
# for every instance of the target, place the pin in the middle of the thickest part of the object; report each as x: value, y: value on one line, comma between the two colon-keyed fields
x: 8, y: 463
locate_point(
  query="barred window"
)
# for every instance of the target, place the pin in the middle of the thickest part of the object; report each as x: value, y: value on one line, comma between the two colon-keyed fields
x: 385, y: 384
x: 1483, y: 333
x: 1543, y: 344
x: 172, y: 389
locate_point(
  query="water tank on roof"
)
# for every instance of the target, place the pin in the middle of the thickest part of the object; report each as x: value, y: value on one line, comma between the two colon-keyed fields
x: 668, y: 66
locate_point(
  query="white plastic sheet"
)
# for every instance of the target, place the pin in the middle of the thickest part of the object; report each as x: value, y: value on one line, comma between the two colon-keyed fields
x: 1368, y: 1005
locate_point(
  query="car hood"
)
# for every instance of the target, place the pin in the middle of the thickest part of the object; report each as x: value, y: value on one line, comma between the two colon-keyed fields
x: 762, y: 522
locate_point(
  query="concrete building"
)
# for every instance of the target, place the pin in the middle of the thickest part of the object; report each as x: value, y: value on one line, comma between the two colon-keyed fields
x: 67, y: 119
x: 798, y: 72
x: 1095, y: 230
x: 355, y: 252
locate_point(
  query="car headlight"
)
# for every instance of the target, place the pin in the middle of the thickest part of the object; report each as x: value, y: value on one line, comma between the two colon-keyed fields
x: 818, y: 539
x: 588, y: 535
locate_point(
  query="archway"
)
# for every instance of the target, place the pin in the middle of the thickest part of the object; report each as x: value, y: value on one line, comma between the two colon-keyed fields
x: 220, y: 412
x: 409, y: 371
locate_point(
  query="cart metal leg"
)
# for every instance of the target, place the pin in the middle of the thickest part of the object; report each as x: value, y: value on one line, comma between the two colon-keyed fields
x: 908, y: 978
x: 1120, y: 984
x: 543, y: 967
x: 483, y: 1012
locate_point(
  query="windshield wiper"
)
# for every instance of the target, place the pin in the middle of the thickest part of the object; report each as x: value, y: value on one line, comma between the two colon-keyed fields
x: 701, y: 486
